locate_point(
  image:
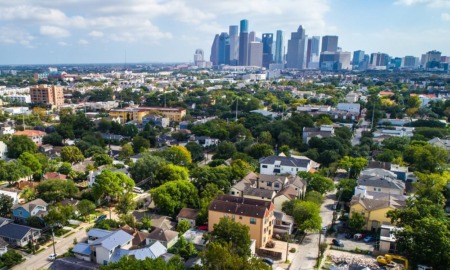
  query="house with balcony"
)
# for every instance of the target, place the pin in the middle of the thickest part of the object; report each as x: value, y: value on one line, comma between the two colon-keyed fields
x: 34, y: 208
x: 380, y: 180
x: 282, y: 165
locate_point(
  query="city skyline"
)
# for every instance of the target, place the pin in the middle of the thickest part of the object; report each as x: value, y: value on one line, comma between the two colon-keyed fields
x: 82, y: 31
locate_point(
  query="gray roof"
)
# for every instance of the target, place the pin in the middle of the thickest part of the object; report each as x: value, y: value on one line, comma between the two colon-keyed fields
x: 99, y: 233
x: 113, y: 240
x: 259, y: 192
x: 162, y: 235
x: 153, y: 252
x: 82, y: 248
x: 286, y: 161
x: 29, y: 206
x: 4, y: 220
x: 380, y: 182
x: 15, y: 231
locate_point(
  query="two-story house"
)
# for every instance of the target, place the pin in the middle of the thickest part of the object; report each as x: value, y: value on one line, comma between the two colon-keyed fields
x: 35, y: 135
x: 17, y: 235
x: 257, y: 214
x: 3, y: 150
x: 103, y: 248
x: 380, y: 180
x: 167, y: 238
x: 324, y: 131
x: 281, y: 165
x: 34, y: 208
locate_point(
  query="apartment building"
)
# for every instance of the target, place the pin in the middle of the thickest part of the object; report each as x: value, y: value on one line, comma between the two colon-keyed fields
x: 138, y: 113
x: 47, y: 94
x: 258, y: 215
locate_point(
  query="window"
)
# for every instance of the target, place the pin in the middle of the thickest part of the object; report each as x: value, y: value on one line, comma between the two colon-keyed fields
x: 240, y: 217
x: 264, y: 166
x: 232, y: 217
x: 252, y: 220
x: 269, y: 184
x: 20, y: 212
x: 277, y: 185
x: 232, y: 192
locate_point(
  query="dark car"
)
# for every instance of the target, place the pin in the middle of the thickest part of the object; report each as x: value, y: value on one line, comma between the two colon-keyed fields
x: 338, y: 243
x: 348, y: 236
x: 267, y: 261
x: 100, y: 218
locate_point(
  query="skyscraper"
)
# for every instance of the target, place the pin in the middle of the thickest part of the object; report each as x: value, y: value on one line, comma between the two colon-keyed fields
x: 358, y: 56
x: 255, y: 56
x: 379, y: 61
x: 234, y: 44
x: 279, y: 47
x: 198, y: 57
x: 312, y: 52
x: 329, y: 44
x: 252, y: 36
x: 267, y: 41
x: 410, y: 62
x: 243, y: 44
x: 344, y: 60
x: 214, y: 58
x: 296, y: 54
x: 223, y: 54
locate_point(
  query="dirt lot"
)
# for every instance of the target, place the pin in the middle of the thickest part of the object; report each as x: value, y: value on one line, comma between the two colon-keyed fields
x: 336, y: 257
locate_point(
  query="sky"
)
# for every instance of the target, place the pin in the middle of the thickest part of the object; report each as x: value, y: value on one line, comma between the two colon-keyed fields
x: 137, y: 31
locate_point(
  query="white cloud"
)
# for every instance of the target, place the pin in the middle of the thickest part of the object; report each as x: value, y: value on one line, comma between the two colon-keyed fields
x: 445, y: 16
x: 83, y: 42
x: 429, y: 3
x: 13, y: 35
x: 96, y: 34
x: 62, y: 43
x: 54, y: 31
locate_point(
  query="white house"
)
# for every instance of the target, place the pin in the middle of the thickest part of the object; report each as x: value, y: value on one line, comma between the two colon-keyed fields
x: 3, y: 150
x: 349, y: 107
x: 274, y: 165
x: 7, y: 130
x: 14, y: 195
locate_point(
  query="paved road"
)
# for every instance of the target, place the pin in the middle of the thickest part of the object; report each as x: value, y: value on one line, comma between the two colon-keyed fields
x: 308, y: 253
x: 62, y: 245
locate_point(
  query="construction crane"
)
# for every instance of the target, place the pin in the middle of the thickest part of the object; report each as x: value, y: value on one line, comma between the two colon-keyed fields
x: 388, y: 259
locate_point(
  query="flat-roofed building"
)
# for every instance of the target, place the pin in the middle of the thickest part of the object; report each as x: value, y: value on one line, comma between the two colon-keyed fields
x: 47, y: 94
x: 136, y: 114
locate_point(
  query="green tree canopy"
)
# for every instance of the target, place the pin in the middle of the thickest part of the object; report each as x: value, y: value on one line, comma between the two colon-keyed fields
x: 228, y: 231
x: 85, y: 207
x: 196, y: 151
x: 56, y: 190
x: 71, y: 154
x: 174, y: 195
x: 6, y: 203
x: 111, y: 184
x: 146, y: 167
x: 356, y: 222
x: 140, y: 144
x: 317, y: 182
x: 307, y: 215
x: 20, y: 144
x: 177, y: 155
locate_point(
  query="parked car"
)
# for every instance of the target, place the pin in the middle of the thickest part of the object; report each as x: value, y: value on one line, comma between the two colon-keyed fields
x: 358, y: 236
x: 338, y: 243
x: 100, y: 218
x: 267, y: 261
x: 348, y: 236
x: 52, y: 256
x: 369, y: 238
x: 324, y: 229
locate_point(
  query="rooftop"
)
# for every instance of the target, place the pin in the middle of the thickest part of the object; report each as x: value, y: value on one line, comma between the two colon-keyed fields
x: 188, y: 213
x: 241, y: 206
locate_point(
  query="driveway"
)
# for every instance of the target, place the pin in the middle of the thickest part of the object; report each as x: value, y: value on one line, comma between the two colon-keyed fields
x: 351, y: 244
x: 62, y: 245
x: 306, y: 257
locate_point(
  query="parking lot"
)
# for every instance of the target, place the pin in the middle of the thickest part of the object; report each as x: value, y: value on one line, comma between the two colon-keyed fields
x: 351, y: 244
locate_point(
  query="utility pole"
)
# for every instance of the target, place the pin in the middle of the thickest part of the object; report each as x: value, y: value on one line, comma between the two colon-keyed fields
x: 318, y: 254
x: 53, y: 238
x: 237, y: 102
x: 373, y: 116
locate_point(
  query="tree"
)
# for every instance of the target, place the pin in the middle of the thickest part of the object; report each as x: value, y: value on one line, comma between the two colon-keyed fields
x: 53, y: 139
x: 20, y: 144
x: 315, y: 197
x: 94, y: 150
x: 356, y: 222
x: 6, y: 203
x: 240, y: 168
x: 177, y: 155
x: 29, y: 160
x: 85, y: 207
x: 183, y: 226
x: 196, y: 151
x: 307, y: 216
x: 102, y: 159
x: 146, y: 167
x: 225, y: 150
x: 56, y: 190
x: 11, y: 258
x: 104, y: 125
x: 425, y: 158
x: 126, y: 152
x: 125, y: 204
x: 432, y: 186
x: 71, y: 154
x: 128, y: 219
x: 28, y: 194
x: 228, y: 231
x: 172, y: 196
x: 65, y: 168
x: 259, y: 150
x: 207, y: 195
x: 317, y: 182
x: 140, y: 144
x: 13, y: 170
x: 111, y: 185
x: 131, y: 263
x: 219, y: 256
x: 183, y: 248
x: 346, y: 189
x: 170, y: 172
x: 106, y: 224
x: 352, y: 165
x: 146, y: 222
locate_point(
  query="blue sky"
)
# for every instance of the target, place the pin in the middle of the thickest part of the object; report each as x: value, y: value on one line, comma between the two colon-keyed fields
x: 115, y: 31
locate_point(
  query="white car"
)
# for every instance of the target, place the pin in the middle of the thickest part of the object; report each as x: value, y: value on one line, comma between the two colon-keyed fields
x: 52, y: 256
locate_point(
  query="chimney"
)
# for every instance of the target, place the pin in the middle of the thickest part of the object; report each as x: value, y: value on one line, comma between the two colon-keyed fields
x: 257, y: 182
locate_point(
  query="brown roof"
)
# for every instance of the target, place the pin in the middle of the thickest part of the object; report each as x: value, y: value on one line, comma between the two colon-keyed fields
x: 188, y: 213
x: 162, y: 235
x: 379, y: 201
x: 139, y: 238
x: 30, y: 133
x: 241, y: 206
x: 289, y: 192
x: 31, y: 205
x: 23, y: 184
x: 55, y: 175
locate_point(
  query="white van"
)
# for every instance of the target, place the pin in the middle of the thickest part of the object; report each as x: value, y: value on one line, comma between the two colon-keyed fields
x: 138, y: 190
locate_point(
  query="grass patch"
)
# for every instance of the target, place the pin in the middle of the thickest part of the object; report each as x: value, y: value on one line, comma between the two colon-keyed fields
x: 61, y: 232
x: 67, y: 235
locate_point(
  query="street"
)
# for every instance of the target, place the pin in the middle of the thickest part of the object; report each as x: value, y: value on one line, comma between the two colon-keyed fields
x: 309, y: 249
x: 62, y: 245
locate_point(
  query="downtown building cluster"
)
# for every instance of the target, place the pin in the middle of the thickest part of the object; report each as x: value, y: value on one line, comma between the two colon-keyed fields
x: 241, y: 47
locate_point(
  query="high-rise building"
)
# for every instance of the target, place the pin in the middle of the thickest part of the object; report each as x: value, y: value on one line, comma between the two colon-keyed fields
x: 379, y: 61
x: 312, y: 52
x: 279, y: 48
x: 267, y: 41
x: 255, y: 55
x: 223, y: 52
x: 252, y: 36
x: 296, y: 54
x: 198, y: 57
x: 358, y: 56
x: 329, y: 61
x: 234, y: 45
x: 329, y: 44
x: 214, y: 58
x: 344, y: 62
x: 47, y: 94
x: 243, y: 43
x: 432, y: 59
x: 410, y: 62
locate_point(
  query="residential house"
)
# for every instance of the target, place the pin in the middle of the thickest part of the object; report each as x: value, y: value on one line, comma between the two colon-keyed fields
x: 380, y: 180
x: 53, y: 176
x: 374, y: 207
x: 401, y: 172
x: 248, y: 181
x: 94, y: 234
x: 153, y: 251
x: 139, y: 238
x: 259, y: 194
x: 388, y: 242
x: 18, y: 235
x: 35, y: 208
x: 11, y: 193
x: 324, y: 131
x: 35, y: 135
x: 443, y: 143
x: 349, y: 107
x: 6, y: 129
x: 196, y: 237
x: 204, y: 141
x: 156, y: 120
x: 280, y: 165
x: 20, y: 185
x: 102, y: 249
x: 158, y: 221
x: 167, y: 238
x: 3, y: 246
x: 188, y: 214
x: 257, y: 214
x: 283, y: 223
x: 285, y: 195
x: 3, y: 150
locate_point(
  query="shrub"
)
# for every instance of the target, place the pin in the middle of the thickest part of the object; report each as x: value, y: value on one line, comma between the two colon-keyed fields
x: 292, y: 250
x: 270, y: 244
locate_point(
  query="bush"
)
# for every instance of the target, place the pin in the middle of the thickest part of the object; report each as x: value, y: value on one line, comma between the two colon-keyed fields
x: 11, y: 258
x: 292, y: 250
x: 270, y: 244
